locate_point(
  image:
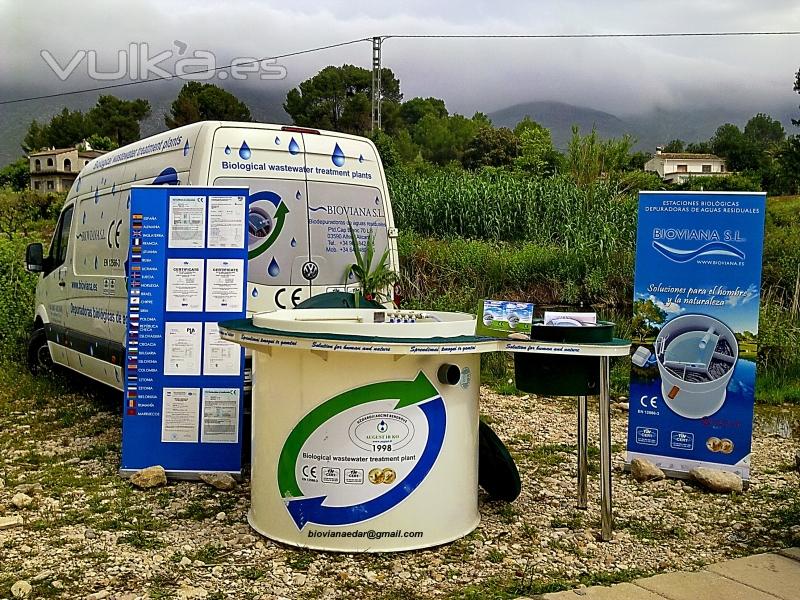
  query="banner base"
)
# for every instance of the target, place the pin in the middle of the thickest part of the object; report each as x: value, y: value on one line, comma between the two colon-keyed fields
x: 679, y: 468
x: 184, y: 475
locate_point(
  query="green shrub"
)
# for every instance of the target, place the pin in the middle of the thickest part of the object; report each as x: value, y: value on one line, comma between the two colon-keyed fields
x: 456, y: 273
x: 735, y: 182
x: 17, y: 288
x: 27, y: 212
x: 781, y: 274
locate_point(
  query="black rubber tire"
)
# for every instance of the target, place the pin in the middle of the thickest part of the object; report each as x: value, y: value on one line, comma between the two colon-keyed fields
x: 39, y: 360
x: 497, y: 472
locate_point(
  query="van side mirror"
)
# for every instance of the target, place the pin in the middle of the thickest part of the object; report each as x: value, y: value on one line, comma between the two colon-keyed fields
x: 34, y: 258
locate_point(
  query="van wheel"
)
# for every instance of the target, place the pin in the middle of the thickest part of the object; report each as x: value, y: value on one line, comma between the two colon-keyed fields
x: 39, y: 359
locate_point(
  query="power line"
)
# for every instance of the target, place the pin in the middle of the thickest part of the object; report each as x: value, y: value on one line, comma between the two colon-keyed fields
x: 541, y: 36
x: 549, y: 36
x: 175, y: 76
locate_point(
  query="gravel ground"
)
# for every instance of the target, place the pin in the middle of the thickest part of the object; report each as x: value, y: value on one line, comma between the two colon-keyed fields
x: 88, y: 534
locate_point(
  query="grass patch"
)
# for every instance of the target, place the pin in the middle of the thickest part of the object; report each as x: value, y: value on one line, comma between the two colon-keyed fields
x: 495, y: 556
x: 141, y: 540
x: 198, y: 510
x: 208, y: 553
x: 162, y: 585
x: 507, y: 513
x: 652, y: 529
x: 547, y: 454
x: 300, y: 560
x: 252, y: 573
x: 529, y: 584
x: 572, y: 520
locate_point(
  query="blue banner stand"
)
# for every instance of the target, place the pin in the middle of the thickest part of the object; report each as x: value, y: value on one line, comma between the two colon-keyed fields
x: 695, y: 319
x: 184, y: 386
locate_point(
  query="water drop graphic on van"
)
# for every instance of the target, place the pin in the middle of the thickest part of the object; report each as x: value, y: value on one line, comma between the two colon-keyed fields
x: 377, y: 200
x: 338, y: 156
x: 113, y: 188
x: 244, y: 151
x: 84, y: 218
x: 361, y: 158
x: 95, y: 262
x: 293, y: 243
x: 274, y: 269
x: 294, y: 147
x: 97, y: 196
x: 277, y: 141
x: 227, y: 149
x: 101, y: 214
x: 128, y: 203
x: 254, y: 293
x: 298, y: 195
x: 186, y: 148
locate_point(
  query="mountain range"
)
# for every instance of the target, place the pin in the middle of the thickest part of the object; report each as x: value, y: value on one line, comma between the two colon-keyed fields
x: 656, y: 126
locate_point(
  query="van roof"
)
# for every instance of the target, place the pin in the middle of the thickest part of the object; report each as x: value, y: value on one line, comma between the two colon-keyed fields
x: 119, y: 155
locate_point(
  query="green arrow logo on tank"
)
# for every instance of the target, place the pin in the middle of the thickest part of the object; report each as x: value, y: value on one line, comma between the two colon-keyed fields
x: 280, y: 218
x: 407, y: 393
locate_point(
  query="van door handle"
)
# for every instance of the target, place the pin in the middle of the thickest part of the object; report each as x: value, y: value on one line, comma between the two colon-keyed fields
x: 62, y: 283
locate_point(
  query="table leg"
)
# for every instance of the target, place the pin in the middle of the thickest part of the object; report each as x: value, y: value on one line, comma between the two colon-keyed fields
x: 583, y: 451
x: 606, y: 517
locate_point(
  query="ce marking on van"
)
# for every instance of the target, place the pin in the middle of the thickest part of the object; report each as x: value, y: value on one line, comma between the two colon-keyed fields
x: 295, y: 297
x: 114, y: 226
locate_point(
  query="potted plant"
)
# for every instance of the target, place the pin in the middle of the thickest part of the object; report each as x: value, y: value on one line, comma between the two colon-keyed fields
x: 375, y: 279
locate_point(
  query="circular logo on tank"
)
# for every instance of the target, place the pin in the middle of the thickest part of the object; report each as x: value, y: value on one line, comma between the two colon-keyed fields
x: 389, y: 431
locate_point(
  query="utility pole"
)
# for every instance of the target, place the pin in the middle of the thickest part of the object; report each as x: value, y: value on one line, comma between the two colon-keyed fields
x: 376, y: 83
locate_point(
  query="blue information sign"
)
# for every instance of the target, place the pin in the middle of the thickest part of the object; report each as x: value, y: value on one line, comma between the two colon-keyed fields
x: 187, y: 270
x: 695, y: 321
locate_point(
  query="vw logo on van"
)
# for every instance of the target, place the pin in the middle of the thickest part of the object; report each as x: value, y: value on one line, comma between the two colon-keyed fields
x: 310, y: 270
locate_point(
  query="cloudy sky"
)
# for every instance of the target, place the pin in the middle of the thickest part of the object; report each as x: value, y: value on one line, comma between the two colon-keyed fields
x: 622, y: 76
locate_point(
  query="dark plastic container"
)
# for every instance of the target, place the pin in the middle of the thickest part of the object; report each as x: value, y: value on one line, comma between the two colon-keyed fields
x: 557, y: 374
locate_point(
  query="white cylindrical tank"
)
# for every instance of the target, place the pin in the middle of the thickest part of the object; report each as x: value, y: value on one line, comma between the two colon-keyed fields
x: 364, y: 450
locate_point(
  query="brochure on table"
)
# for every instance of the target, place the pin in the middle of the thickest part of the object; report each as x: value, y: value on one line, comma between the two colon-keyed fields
x: 695, y: 329
x: 504, y: 318
x: 187, y: 270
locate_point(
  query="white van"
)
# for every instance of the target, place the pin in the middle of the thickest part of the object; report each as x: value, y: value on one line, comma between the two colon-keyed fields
x: 304, y: 186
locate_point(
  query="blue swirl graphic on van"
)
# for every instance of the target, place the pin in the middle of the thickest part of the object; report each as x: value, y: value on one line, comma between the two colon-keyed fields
x: 264, y: 227
x: 168, y: 176
x: 710, y: 249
